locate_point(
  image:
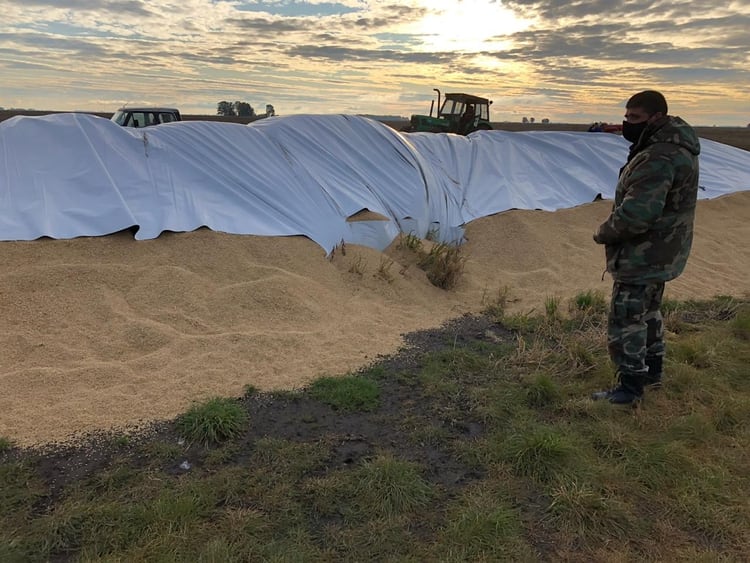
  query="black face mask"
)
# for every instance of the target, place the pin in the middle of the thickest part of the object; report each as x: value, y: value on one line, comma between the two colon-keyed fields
x: 632, y: 131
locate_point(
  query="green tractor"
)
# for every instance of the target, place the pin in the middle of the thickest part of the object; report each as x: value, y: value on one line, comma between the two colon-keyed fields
x: 458, y: 113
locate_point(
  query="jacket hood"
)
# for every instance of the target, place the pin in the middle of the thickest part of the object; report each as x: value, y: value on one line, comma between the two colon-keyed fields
x: 672, y: 130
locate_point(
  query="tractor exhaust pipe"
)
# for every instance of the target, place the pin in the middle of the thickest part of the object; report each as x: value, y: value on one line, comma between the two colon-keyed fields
x: 433, y: 103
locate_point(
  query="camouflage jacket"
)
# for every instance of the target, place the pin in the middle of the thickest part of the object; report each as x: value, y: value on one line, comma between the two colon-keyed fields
x: 649, y: 233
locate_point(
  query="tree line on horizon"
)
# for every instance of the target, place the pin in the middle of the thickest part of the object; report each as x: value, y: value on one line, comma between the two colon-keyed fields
x: 241, y: 109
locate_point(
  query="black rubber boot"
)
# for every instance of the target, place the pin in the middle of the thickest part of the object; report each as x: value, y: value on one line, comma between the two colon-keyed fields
x: 628, y: 391
x: 619, y: 395
x: 655, y: 367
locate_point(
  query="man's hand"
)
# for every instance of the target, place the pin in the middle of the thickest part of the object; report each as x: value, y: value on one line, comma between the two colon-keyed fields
x: 605, y: 235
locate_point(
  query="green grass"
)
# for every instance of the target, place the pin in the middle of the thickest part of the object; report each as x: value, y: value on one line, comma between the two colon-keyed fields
x: 542, y: 392
x: 5, y: 444
x: 385, y: 487
x: 741, y: 325
x: 483, y: 524
x: 444, y: 265
x: 539, y: 452
x: 496, y: 303
x: 471, y: 449
x: 346, y: 393
x: 215, y: 420
x: 552, y: 307
x: 587, y: 510
x: 409, y: 241
x: 591, y: 300
x: 443, y: 262
x: 384, y: 270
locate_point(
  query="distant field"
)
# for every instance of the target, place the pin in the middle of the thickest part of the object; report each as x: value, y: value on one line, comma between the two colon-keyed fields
x: 734, y: 136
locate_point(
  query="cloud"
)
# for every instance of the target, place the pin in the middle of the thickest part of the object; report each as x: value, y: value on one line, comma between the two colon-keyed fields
x: 73, y: 45
x: 268, y: 26
x: 343, y: 54
x: 378, y: 56
x: 135, y: 7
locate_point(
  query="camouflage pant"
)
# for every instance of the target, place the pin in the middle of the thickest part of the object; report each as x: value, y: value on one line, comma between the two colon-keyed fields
x: 635, y: 334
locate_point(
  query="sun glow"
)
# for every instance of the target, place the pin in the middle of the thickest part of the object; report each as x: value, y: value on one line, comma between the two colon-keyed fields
x: 467, y: 25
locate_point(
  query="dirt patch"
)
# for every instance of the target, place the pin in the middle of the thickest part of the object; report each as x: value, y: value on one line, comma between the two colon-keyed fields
x: 353, y: 436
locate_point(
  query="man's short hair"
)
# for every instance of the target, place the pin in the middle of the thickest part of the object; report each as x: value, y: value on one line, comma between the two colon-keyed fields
x: 649, y: 100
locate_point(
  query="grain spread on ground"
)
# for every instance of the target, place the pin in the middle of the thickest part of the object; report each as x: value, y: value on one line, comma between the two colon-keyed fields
x: 110, y: 332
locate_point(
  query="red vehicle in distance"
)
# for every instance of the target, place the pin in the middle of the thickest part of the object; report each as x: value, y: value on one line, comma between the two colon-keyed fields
x: 604, y: 127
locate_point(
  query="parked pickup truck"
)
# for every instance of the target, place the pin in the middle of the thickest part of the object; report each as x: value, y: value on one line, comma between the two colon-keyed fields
x: 144, y: 117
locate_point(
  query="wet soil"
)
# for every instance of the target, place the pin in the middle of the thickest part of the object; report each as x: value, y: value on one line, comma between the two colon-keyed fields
x: 297, y: 416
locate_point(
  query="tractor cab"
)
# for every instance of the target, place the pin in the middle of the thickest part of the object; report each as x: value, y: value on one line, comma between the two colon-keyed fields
x: 457, y: 113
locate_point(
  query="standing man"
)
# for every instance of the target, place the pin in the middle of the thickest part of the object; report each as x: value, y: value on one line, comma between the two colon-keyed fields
x: 647, y: 239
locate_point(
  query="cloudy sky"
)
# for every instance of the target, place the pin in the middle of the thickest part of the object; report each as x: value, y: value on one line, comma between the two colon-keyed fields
x: 566, y: 60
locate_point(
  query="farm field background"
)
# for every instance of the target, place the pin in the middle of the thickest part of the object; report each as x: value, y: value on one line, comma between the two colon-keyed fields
x: 734, y: 136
